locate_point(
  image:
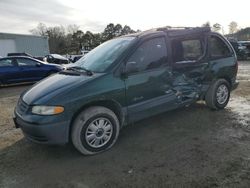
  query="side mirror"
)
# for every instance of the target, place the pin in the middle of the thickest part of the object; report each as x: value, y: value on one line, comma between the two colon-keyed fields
x: 131, y: 67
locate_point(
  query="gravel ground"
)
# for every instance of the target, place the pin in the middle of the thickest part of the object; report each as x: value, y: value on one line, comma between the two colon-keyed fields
x: 189, y: 147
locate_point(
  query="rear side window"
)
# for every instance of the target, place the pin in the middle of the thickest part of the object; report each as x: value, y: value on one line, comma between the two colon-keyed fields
x: 192, y: 49
x: 150, y: 54
x: 6, y: 63
x: 26, y: 62
x: 218, y: 48
x: 187, y: 49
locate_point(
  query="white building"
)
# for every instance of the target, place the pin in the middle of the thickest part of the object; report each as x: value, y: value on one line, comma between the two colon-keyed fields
x: 18, y: 43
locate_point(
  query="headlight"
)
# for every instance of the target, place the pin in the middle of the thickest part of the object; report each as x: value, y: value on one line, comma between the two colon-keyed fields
x: 47, y: 110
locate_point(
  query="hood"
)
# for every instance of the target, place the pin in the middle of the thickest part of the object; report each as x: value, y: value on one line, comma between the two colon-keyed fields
x: 52, y: 86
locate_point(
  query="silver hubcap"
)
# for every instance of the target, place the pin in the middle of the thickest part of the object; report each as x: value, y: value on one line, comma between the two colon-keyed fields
x: 99, y: 132
x: 222, y: 94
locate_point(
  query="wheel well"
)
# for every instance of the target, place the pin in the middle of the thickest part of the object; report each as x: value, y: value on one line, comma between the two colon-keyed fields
x: 222, y: 77
x: 227, y: 79
x: 110, y: 104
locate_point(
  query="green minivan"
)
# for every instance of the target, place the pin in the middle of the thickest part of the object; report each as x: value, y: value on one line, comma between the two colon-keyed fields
x: 125, y: 80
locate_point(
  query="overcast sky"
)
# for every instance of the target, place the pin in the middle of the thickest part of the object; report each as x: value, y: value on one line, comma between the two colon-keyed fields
x: 19, y: 16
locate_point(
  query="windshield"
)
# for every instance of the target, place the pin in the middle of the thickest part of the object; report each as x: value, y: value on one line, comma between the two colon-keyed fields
x: 100, y: 58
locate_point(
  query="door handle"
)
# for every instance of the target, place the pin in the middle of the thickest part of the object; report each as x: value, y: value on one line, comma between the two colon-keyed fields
x: 138, y: 98
x: 168, y: 91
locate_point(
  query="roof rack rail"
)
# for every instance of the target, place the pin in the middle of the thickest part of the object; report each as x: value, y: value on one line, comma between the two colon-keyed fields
x: 170, y: 28
x: 175, y: 31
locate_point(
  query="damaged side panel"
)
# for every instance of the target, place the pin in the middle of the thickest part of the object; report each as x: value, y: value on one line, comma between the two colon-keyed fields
x: 185, y: 89
x: 188, y: 82
x: 190, y: 68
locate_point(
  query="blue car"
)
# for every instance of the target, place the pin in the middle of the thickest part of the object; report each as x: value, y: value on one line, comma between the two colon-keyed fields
x: 20, y: 69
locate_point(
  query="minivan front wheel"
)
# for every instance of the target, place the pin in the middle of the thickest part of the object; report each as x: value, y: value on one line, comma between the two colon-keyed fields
x: 218, y: 94
x: 94, y: 130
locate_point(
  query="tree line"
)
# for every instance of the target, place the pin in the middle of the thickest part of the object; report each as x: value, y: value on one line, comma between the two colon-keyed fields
x: 71, y: 40
x: 234, y: 31
x: 232, y: 27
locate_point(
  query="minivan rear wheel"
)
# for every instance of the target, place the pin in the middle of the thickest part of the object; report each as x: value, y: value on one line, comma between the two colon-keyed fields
x: 95, y: 130
x: 218, y: 94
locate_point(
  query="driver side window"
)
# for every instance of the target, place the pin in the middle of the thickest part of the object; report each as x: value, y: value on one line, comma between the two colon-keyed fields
x: 149, y: 55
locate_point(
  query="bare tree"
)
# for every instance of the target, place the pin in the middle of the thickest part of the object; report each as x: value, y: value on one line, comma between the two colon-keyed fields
x: 207, y: 24
x: 73, y: 28
x: 41, y: 30
x: 216, y: 27
x: 233, y: 27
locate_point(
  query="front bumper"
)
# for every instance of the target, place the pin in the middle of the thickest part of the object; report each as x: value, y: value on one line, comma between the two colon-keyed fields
x: 53, y: 133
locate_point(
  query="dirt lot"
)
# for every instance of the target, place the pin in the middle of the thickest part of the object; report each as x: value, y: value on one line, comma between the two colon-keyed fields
x: 189, y: 147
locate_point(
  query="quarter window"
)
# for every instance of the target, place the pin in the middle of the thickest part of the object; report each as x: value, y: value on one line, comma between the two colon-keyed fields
x: 149, y: 55
x: 192, y: 49
x: 218, y: 48
x: 187, y: 50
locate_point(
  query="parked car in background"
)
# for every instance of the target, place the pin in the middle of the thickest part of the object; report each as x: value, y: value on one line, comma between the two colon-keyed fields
x: 19, y: 54
x: 242, y: 48
x: 41, y: 58
x: 84, y: 52
x: 56, y: 59
x: 125, y: 80
x: 19, y: 69
x: 76, y: 58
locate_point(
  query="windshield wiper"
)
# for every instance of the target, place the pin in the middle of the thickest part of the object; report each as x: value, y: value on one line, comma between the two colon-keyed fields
x: 77, y: 68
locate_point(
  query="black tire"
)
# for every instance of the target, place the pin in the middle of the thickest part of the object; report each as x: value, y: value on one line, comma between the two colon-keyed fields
x: 211, y: 98
x: 82, y: 123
